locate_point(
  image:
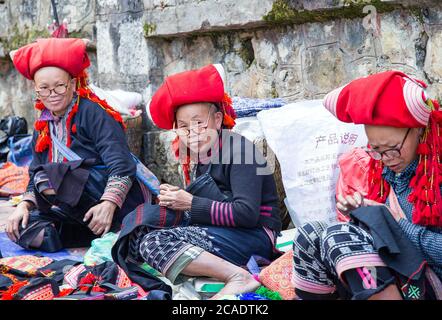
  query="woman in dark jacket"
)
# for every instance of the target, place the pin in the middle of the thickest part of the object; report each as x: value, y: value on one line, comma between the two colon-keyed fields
x: 82, y: 173
x: 227, y: 212
x: 390, y: 249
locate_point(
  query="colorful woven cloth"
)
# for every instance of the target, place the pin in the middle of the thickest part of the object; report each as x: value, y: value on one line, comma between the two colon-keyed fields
x: 278, y: 276
x: 248, y: 107
x: 26, y: 263
x: 13, y: 179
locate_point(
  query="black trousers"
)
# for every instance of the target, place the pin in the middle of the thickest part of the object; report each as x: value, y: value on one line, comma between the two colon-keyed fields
x: 63, y: 225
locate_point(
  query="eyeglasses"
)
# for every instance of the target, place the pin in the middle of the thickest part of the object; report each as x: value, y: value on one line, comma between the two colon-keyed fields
x: 390, y: 153
x: 59, y: 89
x: 197, y: 129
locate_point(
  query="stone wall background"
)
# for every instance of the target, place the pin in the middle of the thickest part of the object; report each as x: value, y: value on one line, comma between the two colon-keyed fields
x: 295, y: 49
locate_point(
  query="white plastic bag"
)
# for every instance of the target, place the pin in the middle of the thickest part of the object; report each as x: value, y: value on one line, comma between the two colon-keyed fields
x: 122, y: 101
x: 307, y: 141
x: 248, y: 127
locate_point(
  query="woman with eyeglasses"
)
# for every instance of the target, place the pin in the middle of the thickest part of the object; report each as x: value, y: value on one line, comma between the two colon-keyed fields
x: 227, y: 211
x: 82, y: 174
x: 391, y: 248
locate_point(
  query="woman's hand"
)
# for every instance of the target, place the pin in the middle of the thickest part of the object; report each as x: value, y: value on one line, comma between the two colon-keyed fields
x: 349, y: 203
x: 175, y: 198
x: 20, y: 214
x: 102, y: 215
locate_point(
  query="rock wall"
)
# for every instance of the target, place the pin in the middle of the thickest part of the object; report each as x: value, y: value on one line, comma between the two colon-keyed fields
x: 295, y: 49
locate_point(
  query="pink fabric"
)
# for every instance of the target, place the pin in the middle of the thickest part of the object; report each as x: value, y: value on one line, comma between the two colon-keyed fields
x: 353, y: 175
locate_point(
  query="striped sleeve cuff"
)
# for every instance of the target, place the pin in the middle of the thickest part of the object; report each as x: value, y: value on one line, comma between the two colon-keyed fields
x: 117, y: 189
x: 213, y: 212
x: 221, y: 214
x: 411, y: 230
x: 30, y: 196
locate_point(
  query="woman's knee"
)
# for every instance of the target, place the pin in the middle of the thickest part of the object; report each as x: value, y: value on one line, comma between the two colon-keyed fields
x: 345, y: 233
x: 308, y: 236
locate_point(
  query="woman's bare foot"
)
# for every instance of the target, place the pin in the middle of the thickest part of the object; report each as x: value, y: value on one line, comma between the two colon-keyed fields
x: 236, y: 279
x: 238, y: 283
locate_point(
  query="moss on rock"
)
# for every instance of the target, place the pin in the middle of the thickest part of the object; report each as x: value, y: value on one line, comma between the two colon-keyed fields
x: 283, y: 13
x: 149, y: 29
x: 17, y: 38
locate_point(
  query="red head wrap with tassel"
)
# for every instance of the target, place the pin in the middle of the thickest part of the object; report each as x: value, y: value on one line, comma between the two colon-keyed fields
x: 202, y: 85
x: 70, y: 55
x: 394, y: 99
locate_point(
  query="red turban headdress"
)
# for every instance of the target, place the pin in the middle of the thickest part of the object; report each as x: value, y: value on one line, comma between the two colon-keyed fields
x: 201, y: 85
x: 394, y: 99
x: 68, y: 54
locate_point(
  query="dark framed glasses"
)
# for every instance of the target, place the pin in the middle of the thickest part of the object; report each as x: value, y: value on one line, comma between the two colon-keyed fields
x: 197, y: 128
x: 389, y: 153
x: 46, y: 92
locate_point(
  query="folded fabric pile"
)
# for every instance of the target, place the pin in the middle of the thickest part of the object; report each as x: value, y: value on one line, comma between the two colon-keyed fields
x: 42, y: 278
x: 249, y: 107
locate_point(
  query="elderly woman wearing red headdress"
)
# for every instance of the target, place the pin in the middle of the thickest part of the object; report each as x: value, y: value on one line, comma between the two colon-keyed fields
x: 82, y: 174
x: 228, y: 210
x: 391, y: 248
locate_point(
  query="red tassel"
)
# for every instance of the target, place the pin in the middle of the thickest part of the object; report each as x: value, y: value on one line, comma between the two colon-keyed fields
x: 430, y: 196
x: 420, y: 169
x: 436, y: 116
x: 71, y: 116
x: 412, y: 197
x: 43, y: 142
x: 427, y: 212
x: 39, y: 105
x: 229, y: 112
x: 82, y: 92
x: 435, y: 215
x: 423, y: 149
x: 227, y: 99
x: 228, y: 121
x: 40, y: 125
x: 423, y: 181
